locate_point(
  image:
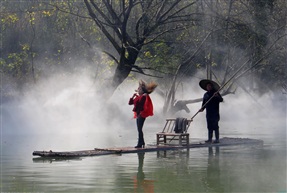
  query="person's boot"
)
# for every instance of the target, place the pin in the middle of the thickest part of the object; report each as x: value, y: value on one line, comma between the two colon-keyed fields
x: 140, y: 146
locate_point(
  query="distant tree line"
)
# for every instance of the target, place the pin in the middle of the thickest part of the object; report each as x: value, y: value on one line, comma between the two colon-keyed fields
x: 167, y: 40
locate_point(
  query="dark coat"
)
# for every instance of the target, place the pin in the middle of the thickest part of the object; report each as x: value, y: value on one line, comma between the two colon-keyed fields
x: 212, y: 107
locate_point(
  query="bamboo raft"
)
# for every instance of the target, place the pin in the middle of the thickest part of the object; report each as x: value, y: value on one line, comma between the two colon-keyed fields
x: 150, y: 148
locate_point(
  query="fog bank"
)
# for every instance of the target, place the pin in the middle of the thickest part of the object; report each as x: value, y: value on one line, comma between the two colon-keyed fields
x: 67, y: 112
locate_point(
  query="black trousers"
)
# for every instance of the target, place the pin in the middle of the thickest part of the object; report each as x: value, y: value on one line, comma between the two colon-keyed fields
x: 212, y: 125
x: 140, y: 123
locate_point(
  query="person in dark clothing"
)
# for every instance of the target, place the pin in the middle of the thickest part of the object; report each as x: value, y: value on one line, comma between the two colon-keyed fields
x: 143, y: 108
x: 210, y: 102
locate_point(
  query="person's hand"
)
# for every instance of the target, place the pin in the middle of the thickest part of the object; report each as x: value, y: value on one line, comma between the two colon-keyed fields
x: 135, y: 94
x: 200, y: 110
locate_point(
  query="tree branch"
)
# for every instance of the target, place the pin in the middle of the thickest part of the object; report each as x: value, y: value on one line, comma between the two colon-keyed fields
x: 99, y: 24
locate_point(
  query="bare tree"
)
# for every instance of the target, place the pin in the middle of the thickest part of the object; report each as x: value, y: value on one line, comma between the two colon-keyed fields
x: 130, y: 25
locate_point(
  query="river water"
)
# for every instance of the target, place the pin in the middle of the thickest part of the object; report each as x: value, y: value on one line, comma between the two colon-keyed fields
x: 28, y: 127
x: 243, y: 168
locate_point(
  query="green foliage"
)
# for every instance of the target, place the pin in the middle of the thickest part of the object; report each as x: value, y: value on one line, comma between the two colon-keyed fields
x: 9, y: 19
x: 160, y: 57
x: 61, y: 34
x: 17, y: 65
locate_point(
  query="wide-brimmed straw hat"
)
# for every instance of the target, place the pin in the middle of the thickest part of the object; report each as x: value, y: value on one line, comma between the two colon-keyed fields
x: 203, y: 83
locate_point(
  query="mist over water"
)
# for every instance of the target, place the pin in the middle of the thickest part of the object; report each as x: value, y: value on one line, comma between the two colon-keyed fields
x: 67, y: 113
x: 255, y: 115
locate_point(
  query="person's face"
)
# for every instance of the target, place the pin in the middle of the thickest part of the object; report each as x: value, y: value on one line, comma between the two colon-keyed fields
x: 209, y: 87
x: 140, y: 90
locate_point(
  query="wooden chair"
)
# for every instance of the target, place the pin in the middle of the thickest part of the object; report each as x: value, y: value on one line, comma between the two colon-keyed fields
x: 167, y: 135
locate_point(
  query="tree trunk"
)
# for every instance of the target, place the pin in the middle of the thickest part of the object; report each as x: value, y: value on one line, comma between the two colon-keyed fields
x: 125, y: 66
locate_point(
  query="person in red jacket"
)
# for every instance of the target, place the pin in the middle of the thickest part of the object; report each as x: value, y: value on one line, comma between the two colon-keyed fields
x: 143, y: 108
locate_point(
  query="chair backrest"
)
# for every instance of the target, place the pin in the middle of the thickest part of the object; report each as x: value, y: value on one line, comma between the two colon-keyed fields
x: 170, y: 125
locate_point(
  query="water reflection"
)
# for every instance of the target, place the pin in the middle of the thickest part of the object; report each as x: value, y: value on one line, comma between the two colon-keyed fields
x: 243, y: 168
x: 58, y: 159
x: 169, y: 153
x: 213, y: 170
x: 140, y: 183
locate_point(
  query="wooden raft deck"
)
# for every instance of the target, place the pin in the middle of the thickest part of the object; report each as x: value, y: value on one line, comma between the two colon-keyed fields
x: 121, y: 150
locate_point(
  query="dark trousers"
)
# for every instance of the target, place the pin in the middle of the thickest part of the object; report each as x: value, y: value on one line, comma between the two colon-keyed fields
x: 140, y: 123
x: 212, y: 125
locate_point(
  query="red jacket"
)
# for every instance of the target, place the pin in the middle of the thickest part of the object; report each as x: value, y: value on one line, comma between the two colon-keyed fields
x: 142, y: 105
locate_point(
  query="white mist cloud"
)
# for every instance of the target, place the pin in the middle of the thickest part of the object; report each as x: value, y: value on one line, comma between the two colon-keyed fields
x: 66, y: 112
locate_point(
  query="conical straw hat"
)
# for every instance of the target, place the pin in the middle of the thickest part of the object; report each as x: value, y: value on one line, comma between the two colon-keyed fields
x: 203, y: 83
